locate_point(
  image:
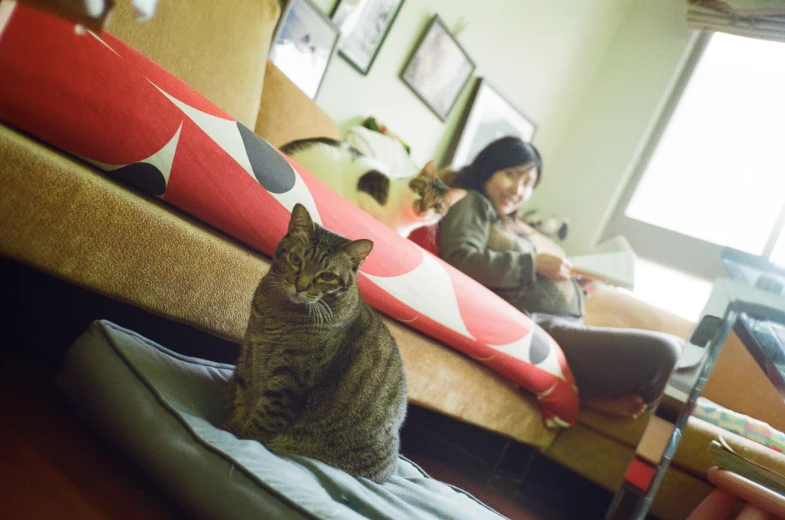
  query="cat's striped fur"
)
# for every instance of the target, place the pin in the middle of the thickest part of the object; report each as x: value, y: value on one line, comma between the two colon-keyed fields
x: 319, y: 374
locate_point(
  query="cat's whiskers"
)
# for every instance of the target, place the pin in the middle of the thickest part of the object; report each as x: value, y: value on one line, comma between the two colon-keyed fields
x: 310, y: 308
x: 321, y: 313
x: 326, y: 310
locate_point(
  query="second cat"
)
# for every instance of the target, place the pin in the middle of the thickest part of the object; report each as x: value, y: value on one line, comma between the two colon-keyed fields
x: 402, y: 204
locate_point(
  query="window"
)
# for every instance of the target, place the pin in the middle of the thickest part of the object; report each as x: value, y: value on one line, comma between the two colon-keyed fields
x: 714, y: 172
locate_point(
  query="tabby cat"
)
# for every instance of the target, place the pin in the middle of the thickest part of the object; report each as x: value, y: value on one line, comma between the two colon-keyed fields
x: 402, y: 204
x: 319, y: 374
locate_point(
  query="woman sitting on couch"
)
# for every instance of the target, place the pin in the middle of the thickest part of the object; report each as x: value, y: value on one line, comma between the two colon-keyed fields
x: 618, y: 371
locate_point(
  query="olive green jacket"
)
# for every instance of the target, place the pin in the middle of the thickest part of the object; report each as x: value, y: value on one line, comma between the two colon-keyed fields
x: 473, y: 239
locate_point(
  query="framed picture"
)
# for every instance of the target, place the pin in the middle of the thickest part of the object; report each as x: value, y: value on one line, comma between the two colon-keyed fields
x: 304, y: 44
x: 364, y: 25
x: 490, y: 117
x: 439, y: 69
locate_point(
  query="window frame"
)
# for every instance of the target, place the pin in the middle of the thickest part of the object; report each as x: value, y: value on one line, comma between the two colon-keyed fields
x: 663, y: 245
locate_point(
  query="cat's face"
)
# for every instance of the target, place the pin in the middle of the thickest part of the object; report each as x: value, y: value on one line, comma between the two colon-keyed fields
x: 432, y: 198
x: 316, y: 267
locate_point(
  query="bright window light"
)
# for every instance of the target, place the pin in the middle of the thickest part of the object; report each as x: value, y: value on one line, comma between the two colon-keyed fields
x: 718, y: 173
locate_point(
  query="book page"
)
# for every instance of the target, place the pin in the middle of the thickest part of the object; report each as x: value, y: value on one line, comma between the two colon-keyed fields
x: 613, y: 261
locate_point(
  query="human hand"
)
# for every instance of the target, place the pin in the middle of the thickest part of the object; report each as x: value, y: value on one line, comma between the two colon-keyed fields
x: 552, y: 267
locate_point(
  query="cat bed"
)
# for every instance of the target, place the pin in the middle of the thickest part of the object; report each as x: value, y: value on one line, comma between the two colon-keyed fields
x: 109, y: 105
x: 163, y: 409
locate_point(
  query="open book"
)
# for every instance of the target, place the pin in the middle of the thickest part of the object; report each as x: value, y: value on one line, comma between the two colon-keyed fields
x: 736, y: 463
x: 612, y: 261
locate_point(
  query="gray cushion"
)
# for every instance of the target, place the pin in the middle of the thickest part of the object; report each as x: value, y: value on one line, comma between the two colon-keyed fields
x: 163, y: 410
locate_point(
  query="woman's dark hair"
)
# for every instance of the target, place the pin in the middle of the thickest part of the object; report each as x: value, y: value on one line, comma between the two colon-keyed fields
x: 506, y: 152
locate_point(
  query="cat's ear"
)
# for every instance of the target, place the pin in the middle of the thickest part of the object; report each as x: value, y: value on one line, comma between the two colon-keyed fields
x: 448, y: 175
x: 453, y: 195
x: 429, y: 170
x: 301, y: 220
x: 358, y: 250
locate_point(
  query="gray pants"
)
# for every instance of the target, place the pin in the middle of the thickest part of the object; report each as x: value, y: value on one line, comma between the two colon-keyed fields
x: 609, y: 361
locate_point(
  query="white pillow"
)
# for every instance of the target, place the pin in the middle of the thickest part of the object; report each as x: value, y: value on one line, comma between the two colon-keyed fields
x: 387, y: 150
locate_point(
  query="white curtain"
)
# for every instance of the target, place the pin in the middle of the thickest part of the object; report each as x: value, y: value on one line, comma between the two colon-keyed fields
x: 754, y: 18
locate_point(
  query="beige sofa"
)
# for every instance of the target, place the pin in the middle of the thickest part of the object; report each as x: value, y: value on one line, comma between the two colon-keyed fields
x: 140, y: 251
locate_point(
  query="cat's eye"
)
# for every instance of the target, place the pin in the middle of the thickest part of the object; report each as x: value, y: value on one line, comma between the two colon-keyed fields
x: 437, y: 208
x: 327, y: 277
x: 295, y: 259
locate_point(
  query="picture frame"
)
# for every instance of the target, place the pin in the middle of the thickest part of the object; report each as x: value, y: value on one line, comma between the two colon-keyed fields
x: 304, y: 44
x: 364, y: 25
x: 490, y: 116
x: 439, y: 69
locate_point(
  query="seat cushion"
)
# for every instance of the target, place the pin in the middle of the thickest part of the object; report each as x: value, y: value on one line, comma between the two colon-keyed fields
x: 164, y: 410
x: 128, y: 246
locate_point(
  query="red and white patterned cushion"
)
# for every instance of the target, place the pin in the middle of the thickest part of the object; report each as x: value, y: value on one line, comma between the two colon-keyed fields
x: 100, y: 100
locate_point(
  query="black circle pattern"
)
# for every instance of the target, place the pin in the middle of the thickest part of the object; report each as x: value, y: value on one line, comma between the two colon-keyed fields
x: 143, y: 176
x: 541, y: 346
x: 270, y: 169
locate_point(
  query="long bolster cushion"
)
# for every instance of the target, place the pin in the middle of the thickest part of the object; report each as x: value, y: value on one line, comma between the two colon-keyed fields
x: 97, y: 98
x: 164, y: 410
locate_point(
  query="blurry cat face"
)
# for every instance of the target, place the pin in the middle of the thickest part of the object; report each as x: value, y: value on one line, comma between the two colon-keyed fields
x: 314, y: 264
x: 432, y: 198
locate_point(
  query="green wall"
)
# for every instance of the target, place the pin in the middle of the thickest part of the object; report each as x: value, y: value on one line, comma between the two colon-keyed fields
x: 540, y: 54
x: 591, y: 74
x: 589, y: 169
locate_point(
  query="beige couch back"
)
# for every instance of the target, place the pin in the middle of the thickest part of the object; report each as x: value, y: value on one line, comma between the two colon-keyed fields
x: 219, y: 49
x: 287, y: 113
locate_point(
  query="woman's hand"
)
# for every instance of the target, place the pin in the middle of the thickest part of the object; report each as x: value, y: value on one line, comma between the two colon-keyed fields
x: 552, y: 267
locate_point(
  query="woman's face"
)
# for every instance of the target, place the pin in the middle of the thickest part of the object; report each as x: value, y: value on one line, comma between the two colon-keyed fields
x: 510, y: 188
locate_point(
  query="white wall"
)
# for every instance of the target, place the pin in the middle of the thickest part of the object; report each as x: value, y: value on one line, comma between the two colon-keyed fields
x: 542, y: 55
x: 592, y: 74
x: 587, y: 173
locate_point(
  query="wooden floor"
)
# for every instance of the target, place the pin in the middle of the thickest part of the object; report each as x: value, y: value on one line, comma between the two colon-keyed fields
x: 525, y: 486
x: 52, y: 466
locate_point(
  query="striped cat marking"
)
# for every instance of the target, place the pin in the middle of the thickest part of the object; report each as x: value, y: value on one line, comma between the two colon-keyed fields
x: 319, y: 374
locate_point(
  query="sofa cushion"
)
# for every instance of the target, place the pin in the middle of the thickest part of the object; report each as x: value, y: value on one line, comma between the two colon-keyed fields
x: 104, y: 102
x: 207, y: 280
x: 164, y: 410
x: 288, y: 113
x: 116, y: 247
x: 220, y: 51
